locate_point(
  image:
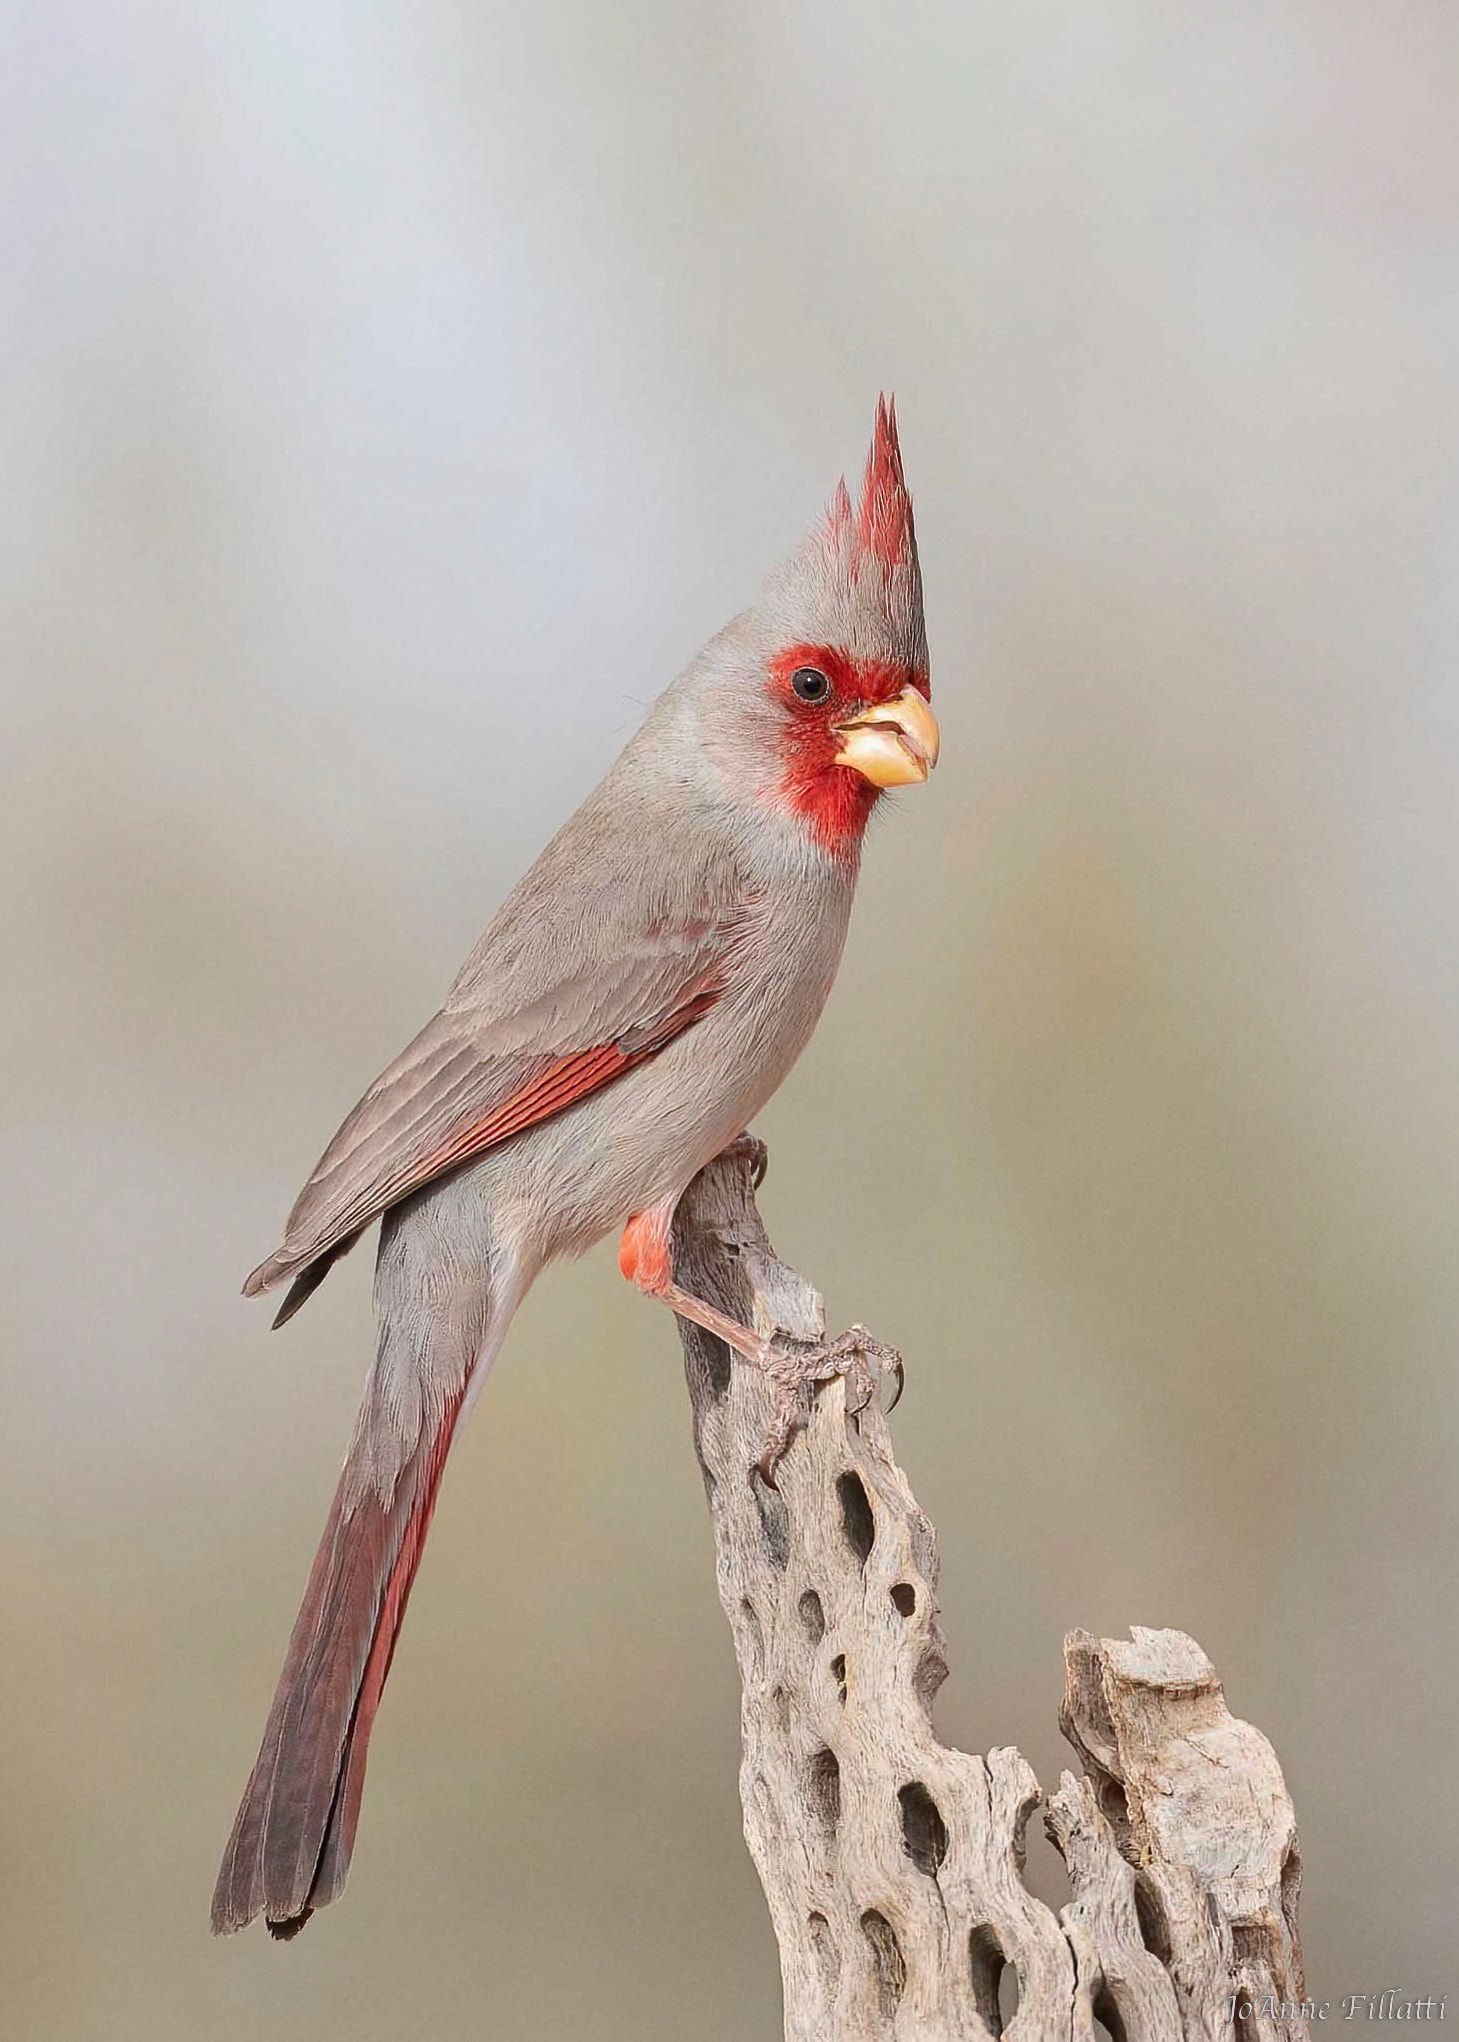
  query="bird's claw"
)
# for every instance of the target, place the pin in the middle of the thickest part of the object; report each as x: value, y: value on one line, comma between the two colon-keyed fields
x: 749, y: 1148
x: 796, y: 1368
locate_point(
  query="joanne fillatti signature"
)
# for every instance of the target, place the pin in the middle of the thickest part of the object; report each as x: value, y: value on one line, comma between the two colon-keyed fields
x: 1391, y: 2005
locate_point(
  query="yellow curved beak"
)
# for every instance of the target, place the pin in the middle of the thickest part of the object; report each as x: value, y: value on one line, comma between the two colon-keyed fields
x: 892, y: 744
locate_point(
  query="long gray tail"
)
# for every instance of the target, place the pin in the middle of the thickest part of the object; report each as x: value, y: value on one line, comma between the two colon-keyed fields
x: 289, y: 1852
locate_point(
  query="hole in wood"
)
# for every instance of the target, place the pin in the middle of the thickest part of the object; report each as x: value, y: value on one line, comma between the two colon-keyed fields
x: 754, y: 1634
x: 1245, y: 2028
x: 924, y: 1833
x: 838, y: 1674
x: 812, y: 1614
x: 986, y: 1965
x: 826, y: 1787
x: 780, y: 1700
x: 828, y: 1957
x: 1112, y: 1804
x: 857, y: 1520
x: 889, y: 1967
x: 774, y: 1523
x: 904, y: 1595
x: 1107, y: 2017
x: 1007, y: 1996
x: 1151, y: 1915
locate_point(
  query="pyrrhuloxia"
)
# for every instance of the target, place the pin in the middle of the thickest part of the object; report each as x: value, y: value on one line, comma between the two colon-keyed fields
x: 638, y: 998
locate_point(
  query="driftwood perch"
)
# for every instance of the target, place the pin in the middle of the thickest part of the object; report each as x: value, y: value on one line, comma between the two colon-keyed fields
x: 893, y: 1865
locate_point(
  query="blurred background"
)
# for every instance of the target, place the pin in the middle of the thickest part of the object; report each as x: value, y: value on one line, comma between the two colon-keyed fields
x: 393, y: 399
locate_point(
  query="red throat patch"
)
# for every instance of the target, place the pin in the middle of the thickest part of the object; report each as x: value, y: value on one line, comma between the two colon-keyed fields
x: 836, y: 801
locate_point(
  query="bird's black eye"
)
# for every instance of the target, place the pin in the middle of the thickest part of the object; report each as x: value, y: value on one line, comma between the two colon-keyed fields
x: 810, y: 684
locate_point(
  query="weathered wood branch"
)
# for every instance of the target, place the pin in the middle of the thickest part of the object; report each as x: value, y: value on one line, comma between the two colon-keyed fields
x: 893, y: 1866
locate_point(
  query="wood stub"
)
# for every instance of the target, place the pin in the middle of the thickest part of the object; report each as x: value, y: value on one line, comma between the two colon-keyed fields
x: 1194, y: 1801
x: 892, y: 1864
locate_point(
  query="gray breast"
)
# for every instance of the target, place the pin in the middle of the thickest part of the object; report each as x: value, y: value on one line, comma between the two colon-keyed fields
x: 642, y: 1138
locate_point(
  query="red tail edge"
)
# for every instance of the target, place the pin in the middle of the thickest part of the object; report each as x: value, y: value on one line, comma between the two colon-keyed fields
x: 290, y: 1848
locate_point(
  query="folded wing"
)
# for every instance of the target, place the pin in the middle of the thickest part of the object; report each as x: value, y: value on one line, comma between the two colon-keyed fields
x: 481, y: 1072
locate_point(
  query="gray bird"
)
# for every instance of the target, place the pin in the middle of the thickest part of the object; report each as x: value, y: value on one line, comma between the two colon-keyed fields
x: 638, y: 998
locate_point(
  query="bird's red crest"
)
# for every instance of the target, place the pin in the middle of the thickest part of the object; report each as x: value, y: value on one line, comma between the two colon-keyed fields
x: 884, y: 520
x: 880, y: 527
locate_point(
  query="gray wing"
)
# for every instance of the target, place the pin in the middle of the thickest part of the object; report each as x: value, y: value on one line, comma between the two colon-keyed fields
x: 567, y: 990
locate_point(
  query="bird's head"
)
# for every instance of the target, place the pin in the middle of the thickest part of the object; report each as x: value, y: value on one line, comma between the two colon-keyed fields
x: 830, y: 683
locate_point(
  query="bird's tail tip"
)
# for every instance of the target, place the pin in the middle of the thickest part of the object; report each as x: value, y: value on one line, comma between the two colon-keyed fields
x: 264, y: 1277
x: 226, y: 1919
x: 285, y: 1931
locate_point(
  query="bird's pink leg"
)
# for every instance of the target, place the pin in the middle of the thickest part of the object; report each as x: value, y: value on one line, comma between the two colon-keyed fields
x: 643, y: 1256
x: 793, y: 1368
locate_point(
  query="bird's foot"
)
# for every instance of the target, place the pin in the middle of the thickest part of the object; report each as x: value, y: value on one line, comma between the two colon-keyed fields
x: 749, y: 1148
x: 796, y: 1367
